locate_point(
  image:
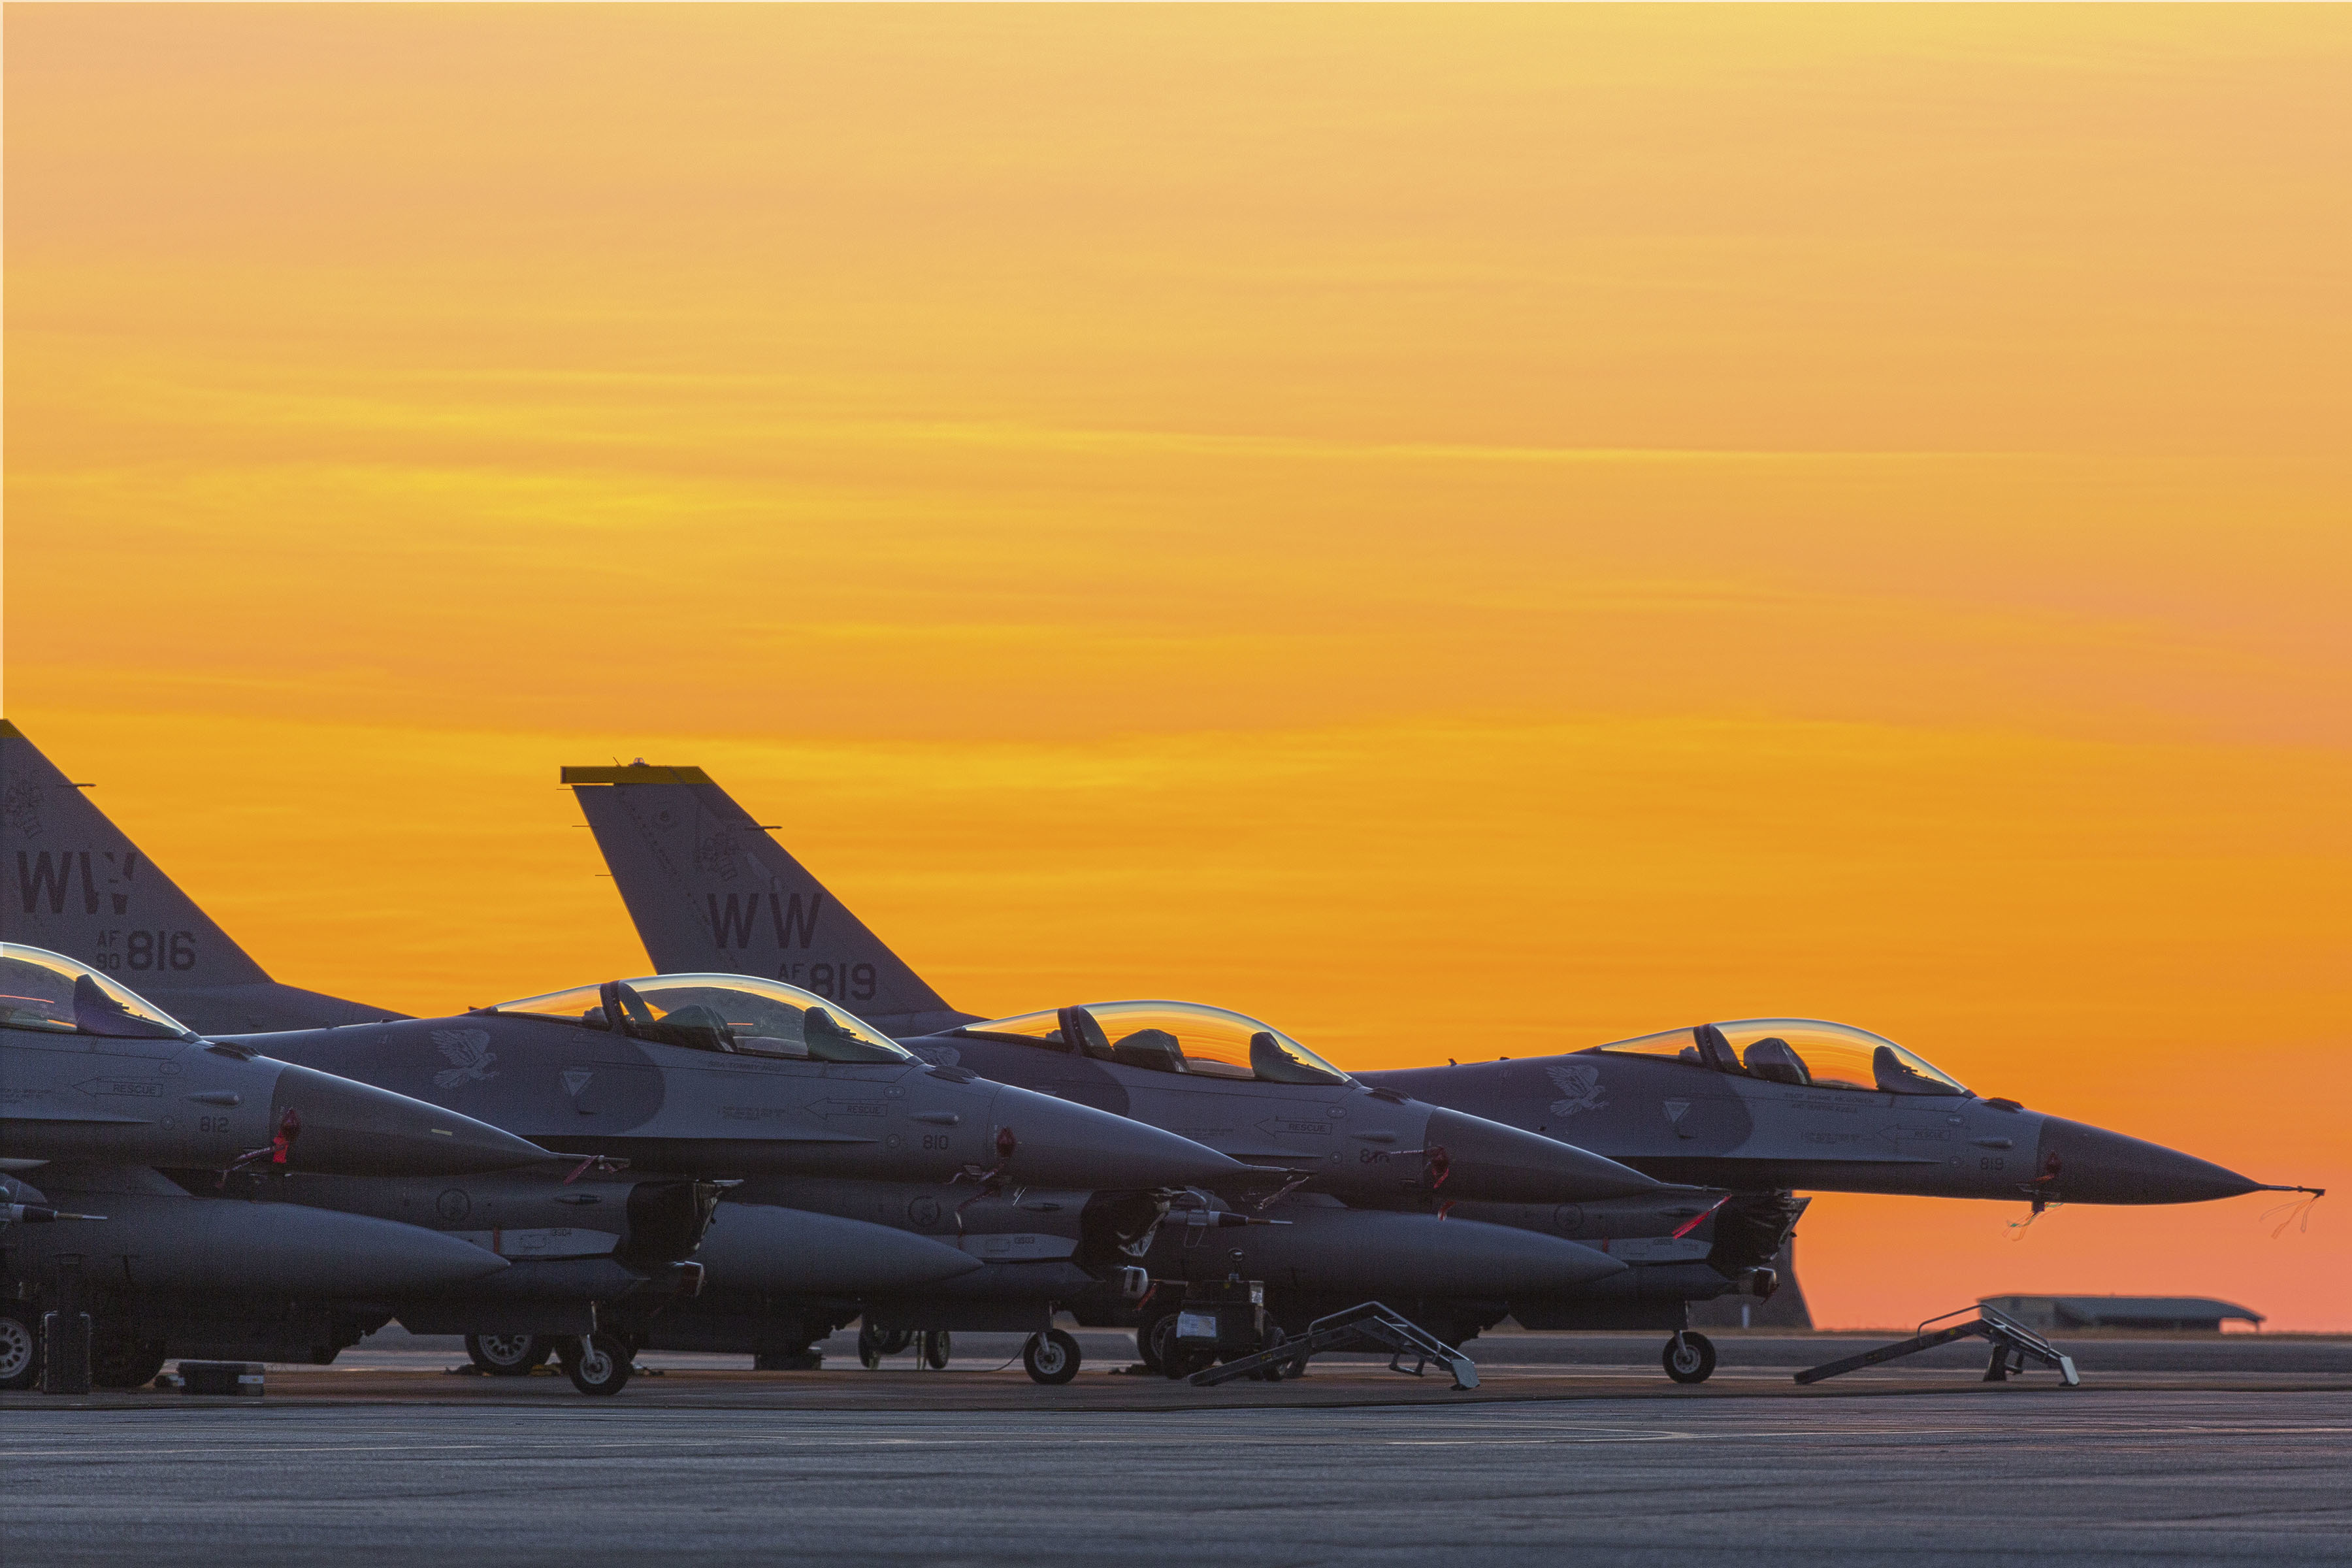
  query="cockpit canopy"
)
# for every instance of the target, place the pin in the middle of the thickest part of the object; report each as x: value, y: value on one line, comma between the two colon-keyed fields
x: 50, y: 992
x: 740, y: 1014
x: 1168, y: 1037
x: 1804, y: 1051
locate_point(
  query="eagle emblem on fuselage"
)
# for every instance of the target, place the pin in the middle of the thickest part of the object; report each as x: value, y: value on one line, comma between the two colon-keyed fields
x: 469, y: 1051
x: 1580, y: 1084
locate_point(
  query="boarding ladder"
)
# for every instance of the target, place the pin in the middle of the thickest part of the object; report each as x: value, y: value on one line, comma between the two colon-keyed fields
x: 2013, y: 1345
x: 1369, y: 1327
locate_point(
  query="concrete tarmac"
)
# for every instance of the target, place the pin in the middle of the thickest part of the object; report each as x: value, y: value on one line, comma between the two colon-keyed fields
x: 2018, y: 1473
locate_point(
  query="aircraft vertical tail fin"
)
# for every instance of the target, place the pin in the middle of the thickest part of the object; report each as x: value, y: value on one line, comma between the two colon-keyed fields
x: 711, y: 892
x: 73, y: 882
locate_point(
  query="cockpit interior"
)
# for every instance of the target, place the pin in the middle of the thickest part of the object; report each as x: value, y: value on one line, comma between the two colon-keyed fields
x: 738, y: 1013
x: 1167, y: 1037
x: 1805, y: 1052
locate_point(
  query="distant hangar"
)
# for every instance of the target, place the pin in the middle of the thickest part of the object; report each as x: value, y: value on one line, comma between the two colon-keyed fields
x: 2194, y: 1313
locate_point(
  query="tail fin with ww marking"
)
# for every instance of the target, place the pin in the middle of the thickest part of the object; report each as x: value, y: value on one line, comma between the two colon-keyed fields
x: 72, y: 882
x: 711, y: 892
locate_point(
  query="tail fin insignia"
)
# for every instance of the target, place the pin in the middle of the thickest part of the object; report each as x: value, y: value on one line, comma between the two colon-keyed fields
x: 81, y: 887
x: 84, y: 889
x: 711, y: 890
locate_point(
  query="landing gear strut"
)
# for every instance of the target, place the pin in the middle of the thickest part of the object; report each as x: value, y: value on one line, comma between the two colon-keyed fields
x: 1689, y: 1357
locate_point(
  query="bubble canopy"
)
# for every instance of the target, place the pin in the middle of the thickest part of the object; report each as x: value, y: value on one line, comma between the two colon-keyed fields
x: 50, y: 992
x: 1168, y: 1037
x: 739, y: 1013
x: 1808, y: 1052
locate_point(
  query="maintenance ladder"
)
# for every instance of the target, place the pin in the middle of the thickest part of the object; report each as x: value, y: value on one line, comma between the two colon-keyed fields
x: 1369, y: 1327
x: 2013, y: 1342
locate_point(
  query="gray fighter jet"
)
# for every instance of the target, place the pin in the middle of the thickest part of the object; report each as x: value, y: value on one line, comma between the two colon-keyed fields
x: 98, y: 1087
x: 1765, y: 1104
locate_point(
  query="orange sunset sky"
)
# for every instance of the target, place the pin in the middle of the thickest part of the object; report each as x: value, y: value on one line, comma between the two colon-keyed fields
x: 1460, y: 531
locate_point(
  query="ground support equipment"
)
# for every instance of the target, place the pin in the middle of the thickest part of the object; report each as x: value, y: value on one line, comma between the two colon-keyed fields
x: 2013, y: 1345
x: 1369, y: 1327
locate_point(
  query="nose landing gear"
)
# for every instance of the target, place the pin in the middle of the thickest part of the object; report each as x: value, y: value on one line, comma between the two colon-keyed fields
x: 1051, y: 1357
x: 598, y: 1363
x: 1689, y: 1357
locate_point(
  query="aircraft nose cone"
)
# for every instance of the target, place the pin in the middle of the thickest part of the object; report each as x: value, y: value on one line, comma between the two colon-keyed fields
x: 1057, y: 1144
x: 761, y: 1246
x: 357, y: 1130
x: 2092, y: 1166
x: 1488, y: 1162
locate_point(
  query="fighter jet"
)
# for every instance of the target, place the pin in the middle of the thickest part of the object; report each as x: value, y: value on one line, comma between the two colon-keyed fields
x: 1771, y: 1103
x: 98, y: 1087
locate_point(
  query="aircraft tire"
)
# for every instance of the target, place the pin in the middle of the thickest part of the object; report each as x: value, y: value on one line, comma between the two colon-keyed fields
x: 1051, y: 1358
x: 936, y: 1347
x: 20, y: 1349
x: 1151, y: 1341
x: 120, y: 1359
x: 1689, y: 1358
x: 599, y: 1364
x: 870, y: 1347
x: 509, y: 1355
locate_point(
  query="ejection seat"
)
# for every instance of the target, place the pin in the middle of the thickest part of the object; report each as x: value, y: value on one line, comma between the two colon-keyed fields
x: 1894, y: 1076
x: 1272, y: 1064
x: 698, y: 1027
x: 1154, y: 1048
x: 1773, y: 1057
x: 1714, y: 1050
